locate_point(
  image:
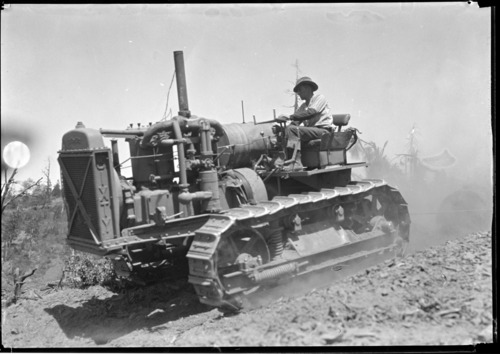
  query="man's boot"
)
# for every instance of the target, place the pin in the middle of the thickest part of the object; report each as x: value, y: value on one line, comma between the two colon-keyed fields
x: 295, y: 165
x: 279, y: 161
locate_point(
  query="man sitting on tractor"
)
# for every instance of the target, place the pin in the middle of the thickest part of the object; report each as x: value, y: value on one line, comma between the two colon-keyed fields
x: 315, y: 116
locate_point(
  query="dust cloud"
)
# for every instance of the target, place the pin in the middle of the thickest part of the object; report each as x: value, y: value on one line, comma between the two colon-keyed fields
x: 449, y: 194
x: 446, y: 211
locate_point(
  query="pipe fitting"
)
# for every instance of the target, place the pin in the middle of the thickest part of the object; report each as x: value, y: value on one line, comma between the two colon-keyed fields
x: 186, y: 197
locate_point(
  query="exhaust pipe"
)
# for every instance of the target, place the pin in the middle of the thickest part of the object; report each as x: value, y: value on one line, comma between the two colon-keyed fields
x: 180, y: 76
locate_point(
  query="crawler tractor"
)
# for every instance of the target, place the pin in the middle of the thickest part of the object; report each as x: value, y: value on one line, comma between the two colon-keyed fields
x: 211, y: 202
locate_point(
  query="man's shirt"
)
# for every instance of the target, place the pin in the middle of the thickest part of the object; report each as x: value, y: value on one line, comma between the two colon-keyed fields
x: 318, y: 108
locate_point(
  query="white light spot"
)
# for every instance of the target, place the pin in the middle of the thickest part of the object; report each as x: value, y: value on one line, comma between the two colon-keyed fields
x: 16, y: 154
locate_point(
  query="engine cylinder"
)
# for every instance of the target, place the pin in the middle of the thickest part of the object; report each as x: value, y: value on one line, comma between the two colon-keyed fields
x: 242, y: 143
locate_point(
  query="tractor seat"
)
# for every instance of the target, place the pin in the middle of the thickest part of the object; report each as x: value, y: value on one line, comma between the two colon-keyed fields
x: 341, y: 120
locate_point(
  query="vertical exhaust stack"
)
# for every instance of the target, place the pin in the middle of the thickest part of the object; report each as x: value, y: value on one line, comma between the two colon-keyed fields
x: 209, y: 184
x: 180, y: 76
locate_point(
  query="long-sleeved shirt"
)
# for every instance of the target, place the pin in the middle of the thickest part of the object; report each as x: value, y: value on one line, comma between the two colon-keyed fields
x: 317, y: 109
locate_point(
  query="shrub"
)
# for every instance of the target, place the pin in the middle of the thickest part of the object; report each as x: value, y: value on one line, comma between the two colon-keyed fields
x: 11, y: 228
x: 83, y: 270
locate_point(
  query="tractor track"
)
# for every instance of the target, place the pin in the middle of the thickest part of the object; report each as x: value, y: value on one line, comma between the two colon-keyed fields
x: 203, y: 256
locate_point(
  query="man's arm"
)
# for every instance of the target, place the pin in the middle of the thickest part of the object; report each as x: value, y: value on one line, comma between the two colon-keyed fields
x: 317, y: 105
x: 303, y: 115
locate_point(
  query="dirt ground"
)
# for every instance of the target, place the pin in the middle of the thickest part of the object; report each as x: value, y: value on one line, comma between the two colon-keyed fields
x: 438, y: 296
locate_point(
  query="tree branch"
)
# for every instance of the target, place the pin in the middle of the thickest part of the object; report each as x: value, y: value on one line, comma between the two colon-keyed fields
x: 22, y: 193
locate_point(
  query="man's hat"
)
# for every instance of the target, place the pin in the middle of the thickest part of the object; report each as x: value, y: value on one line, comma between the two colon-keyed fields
x: 303, y: 81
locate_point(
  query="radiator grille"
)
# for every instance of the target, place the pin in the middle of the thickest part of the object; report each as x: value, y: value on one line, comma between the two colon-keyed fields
x: 80, y: 171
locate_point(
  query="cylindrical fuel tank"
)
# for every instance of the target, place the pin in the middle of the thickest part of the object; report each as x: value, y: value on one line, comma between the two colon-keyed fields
x: 244, y: 142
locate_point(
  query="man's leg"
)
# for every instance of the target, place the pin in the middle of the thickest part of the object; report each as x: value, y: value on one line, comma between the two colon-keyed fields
x: 295, y: 135
x: 292, y: 136
x: 311, y: 133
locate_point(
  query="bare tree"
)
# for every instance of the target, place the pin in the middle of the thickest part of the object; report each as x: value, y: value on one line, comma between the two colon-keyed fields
x: 47, y: 192
x: 297, y: 71
x: 19, y: 281
x: 290, y: 92
x: 46, y: 173
x: 8, y: 196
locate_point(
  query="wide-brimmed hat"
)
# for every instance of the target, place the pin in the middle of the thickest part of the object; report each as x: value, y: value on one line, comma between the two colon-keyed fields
x: 305, y: 80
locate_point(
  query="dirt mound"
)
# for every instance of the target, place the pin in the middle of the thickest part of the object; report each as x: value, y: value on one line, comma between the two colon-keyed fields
x: 442, y: 295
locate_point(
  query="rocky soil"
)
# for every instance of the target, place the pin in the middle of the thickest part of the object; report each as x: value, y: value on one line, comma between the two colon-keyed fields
x: 438, y: 296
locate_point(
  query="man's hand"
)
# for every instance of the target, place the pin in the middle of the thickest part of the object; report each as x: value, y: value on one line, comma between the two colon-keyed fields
x: 293, y: 121
x: 282, y: 118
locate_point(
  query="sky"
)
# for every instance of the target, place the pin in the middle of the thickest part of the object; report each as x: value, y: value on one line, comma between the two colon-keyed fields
x: 392, y: 66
